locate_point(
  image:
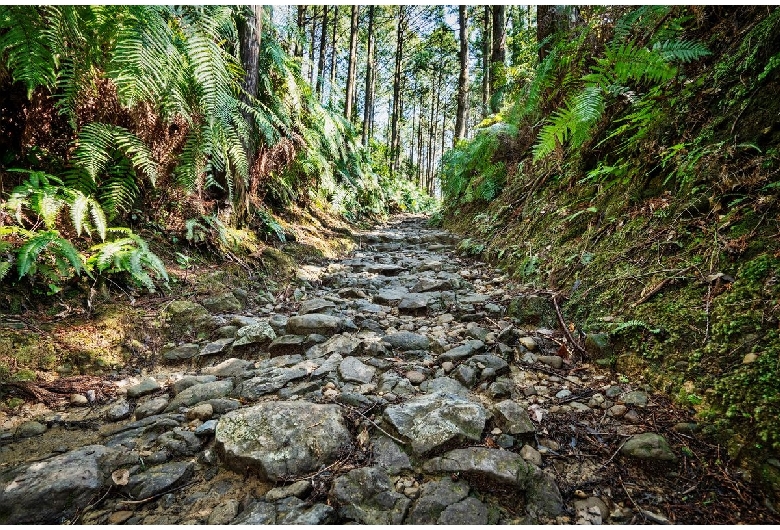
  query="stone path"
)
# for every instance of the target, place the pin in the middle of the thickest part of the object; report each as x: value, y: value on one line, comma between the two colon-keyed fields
x: 393, y: 388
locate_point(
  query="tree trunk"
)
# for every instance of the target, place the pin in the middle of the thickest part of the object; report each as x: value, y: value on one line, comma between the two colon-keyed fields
x: 368, y: 107
x: 463, y: 77
x: 249, y: 30
x: 545, y: 26
x: 323, y: 46
x: 313, y: 35
x: 350, y: 95
x: 301, y: 25
x: 486, y: 47
x: 394, y: 120
x: 333, y: 55
x: 498, y: 56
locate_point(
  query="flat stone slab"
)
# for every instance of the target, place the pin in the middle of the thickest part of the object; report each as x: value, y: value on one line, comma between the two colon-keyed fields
x: 282, y: 439
x: 512, y: 418
x: 314, y: 323
x: 463, y: 351
x: 648, y: 446
x: 384, y: 269
x: 354, y: 370
x: 435, y: 497
x: 407, y: 341
x: 159, y: 479
x: 287, y: 345
x: 52, y: 490
x: 316, y: 305
x: 258, y: 334
x: 431, y: 421
x: 196, y: 394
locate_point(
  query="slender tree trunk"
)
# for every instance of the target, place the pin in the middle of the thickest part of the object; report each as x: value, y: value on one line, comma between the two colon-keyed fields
x: 463, y: 77
x: 414, y: 119
x: 312, y: 37
x: 497, y: 56
x: 323, y: 46
x: 368, y: 107
x: 486, y: 47
x: 399, y: 50
x: 350, y: 95
x: 333, y: 55
x: 301, y: 26
x: 545, y: 27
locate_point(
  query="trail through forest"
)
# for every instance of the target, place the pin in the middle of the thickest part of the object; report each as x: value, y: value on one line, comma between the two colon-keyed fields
x: 395, y: 386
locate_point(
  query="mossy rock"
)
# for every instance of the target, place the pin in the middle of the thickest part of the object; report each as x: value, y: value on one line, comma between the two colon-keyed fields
x: 533, y: 310
x: 185, y: 318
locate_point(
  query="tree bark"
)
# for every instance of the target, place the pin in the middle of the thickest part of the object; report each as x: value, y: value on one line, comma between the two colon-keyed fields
x: 350, y: 95
x: 333, y: 54
x: 497, y: 56
x: 545, y: 26
x: 395, y: 117
x: 313, y: 35
x: 368, y: 107
x: 486, y: 47
x: 463, y: 77
x: 301, y: 25
x: 323, y: 46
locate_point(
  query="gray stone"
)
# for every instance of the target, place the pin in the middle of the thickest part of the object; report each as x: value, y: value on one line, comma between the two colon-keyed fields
x: 415, y: 377
x: 202, y: 392
x: 151, y: 408
x: 316, y: 305
x: 229, y: 368
x: 364, y: 495
x: 352, y: 369
x: 118, y: 411
x: 462, y: 352
x: 551, y: 360
x: 498, y: 467
x: 648, y: 446
x: 78, y: 400
x: 287, y: 345
x: 159, y: 479
x: 445, y: 385
x: 344, y: 345
x: 206, y: 429
x: 293, y: 511
x: 434, y: 420
x: 528, y: 343
x: 314, y: 323
x: 435, y: 497
x: 222, y: 303
x: 469, y: 511
x: 224, y: 512
x: 180, y: 442
x: 636, y: 398
x: 29, y: 429
x: 476, y: 332
x: 413, y: 305
x: 259, y: 513
x: 389, y: 456
x: 223, y: 405
x: 531, y: 455
x: 191, y: 380
x: 282, y: 439
x: 389, y: 296
x: 278, y: 323
x: 465, y: 374
x: 500, y: 389
x: 492, y: 364
x: 147, y: 386
x: 329, y: 366
x: 425, y: 285
x: 254, y: 336
x: 185, y: 351
x: 296, y: 489
x: 384, y: 269
x: 202, y: 411
x: 53, y: 490
x: 268, y: 381
x: 217, y: 347
x: 406, y: 341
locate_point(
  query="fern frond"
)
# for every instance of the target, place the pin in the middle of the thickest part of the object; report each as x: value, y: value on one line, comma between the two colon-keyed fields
x: 684, y: 51
x: 27, y: 54
x: 29, y: 252
x: 5, y: 266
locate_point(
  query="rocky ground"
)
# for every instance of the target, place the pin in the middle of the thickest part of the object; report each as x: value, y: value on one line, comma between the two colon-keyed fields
x: 390, y: 387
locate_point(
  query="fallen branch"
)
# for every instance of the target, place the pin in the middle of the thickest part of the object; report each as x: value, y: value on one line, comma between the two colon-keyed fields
x: 151, y: 498
x: 396, y: 440
x: 565, y: 328
x: 655, y: 290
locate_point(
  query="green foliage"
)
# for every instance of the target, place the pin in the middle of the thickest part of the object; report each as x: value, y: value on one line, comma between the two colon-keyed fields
x: 126, y: 252
x: 51, y: 255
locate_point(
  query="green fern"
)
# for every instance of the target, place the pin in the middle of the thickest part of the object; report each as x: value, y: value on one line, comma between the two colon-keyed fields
x: 5, y: 266
x: 129, y: 254
x: 26, y: 51
x: 63, y: 252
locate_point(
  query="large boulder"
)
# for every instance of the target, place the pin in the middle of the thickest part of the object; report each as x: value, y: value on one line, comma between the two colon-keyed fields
x: 407, y: 341
x: 648, y: 446
x: 197, y: 393
x: 282, y: 439
x: 52, y: 491
x: 433, y: 421
x: 435, y: 497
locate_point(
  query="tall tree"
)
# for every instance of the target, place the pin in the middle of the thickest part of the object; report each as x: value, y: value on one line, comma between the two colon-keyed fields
x: 353, y: 34
x: 333, y: 54
x: 546, y: 25
x: 368, y: 106
x: 486, y: 47
x: 313, y: 35
x: 463, y: 77
x: 497, y: 56
x: 300, y: 24
x: 396, y: 112
x: 323, y: 47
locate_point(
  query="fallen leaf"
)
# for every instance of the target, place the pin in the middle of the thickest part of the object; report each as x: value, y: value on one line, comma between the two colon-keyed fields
x: 363, y: 437
x: 121, y: 477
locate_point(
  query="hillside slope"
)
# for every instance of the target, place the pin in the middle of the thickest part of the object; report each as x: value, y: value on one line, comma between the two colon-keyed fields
x: 637, y: 176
